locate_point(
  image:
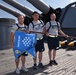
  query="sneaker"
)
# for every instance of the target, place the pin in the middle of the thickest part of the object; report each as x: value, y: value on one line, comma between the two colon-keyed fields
x: 24, y: 69
x: 17, y: 71
x: 50, y: 63
x: 41, y: 65
x: 35, y: 66
x: 54, y: 62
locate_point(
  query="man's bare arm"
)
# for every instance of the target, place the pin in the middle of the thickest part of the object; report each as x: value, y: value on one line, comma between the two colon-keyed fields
x: 62, y: 33
x: 12, y: 39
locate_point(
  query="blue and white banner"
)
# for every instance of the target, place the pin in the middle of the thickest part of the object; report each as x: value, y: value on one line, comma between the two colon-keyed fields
x: 24, y: 42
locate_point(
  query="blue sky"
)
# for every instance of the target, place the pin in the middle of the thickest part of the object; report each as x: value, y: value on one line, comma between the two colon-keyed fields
x: 52, y: 3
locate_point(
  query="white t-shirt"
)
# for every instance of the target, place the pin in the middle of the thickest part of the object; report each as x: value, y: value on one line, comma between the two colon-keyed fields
x: 15, y: 27
x: 38, y: 27
x: 54, y: 28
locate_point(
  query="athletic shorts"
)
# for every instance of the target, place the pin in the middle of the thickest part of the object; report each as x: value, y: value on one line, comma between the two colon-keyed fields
x: 53, y: 42
x: 25, y: 54
x: 39, y: 46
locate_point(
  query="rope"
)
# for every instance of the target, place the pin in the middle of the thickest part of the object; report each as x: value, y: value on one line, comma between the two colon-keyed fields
x: 71, y: 37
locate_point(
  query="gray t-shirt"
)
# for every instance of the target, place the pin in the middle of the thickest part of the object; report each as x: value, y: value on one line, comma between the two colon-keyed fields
x: 54, y: 28
x: 38, y: 27
x: 15, y: 27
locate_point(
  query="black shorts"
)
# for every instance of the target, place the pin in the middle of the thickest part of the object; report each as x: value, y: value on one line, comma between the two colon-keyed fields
x: 24, y: 54
x: 53, y: 42
x: 39, y: 46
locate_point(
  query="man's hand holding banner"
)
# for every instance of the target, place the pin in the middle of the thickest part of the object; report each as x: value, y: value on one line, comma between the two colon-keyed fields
x: 24, y: 42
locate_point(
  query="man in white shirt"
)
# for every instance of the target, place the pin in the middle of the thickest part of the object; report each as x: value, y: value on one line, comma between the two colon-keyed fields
x: 37, y: 26
x: 53, y: 27
x: 21, y: 27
